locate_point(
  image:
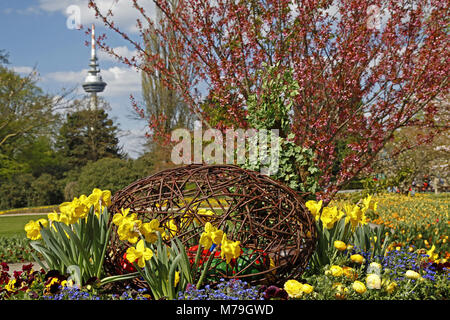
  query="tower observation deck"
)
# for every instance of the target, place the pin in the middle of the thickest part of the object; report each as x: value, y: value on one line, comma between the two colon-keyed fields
x: 93, y: 82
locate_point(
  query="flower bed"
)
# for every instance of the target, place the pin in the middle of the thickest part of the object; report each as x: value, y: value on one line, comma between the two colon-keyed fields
x: 353, y: 261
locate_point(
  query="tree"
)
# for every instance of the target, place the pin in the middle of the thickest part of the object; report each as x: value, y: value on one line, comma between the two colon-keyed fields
x: 88, y: 135
x: 25, y: 110
x: 356, y: 77
x: 27, y: 121
x: 98, y: 174
x: 416, y: 155
x: 161, y: 100
x: 164, y: 107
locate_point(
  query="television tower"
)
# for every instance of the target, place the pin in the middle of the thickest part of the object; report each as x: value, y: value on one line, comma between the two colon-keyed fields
x: 93, y: 82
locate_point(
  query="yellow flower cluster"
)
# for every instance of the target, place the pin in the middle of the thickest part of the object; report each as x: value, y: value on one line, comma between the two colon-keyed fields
x: 354, y: 214
x: 297, y: 289
x: 130, y: 228
x: 71, y: 212
x: 373, y: 280
x: 229, y: 249
x: 78, y: 208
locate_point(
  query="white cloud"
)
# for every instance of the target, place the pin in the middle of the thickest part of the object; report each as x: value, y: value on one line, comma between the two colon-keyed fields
x: 124, y: 14
x: 22, y: 69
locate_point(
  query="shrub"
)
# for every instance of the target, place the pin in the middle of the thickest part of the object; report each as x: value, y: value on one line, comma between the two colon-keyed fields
x: 108, y: 173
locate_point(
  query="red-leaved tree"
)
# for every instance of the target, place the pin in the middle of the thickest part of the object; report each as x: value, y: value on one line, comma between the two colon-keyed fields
x: 364, y: 68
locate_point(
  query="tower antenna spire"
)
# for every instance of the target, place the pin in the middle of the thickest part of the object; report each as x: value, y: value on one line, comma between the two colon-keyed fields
x: 93, y: 82
x: 93, y: 55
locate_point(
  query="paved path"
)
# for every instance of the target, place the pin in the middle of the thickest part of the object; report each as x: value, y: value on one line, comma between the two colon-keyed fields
x: 23, y: 214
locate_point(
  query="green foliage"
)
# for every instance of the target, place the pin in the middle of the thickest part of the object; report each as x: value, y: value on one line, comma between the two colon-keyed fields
x: 108, y: 173
x: 374, y: 240
x: 296, y: 167
x: 325, y: 251
x: 88, y: 135
x: 160, y: 271
x: 46, y: 190
x: 78, y: 249
x: 270, y: 110
x: 23, y: 190
x: 401, y: 178
x: 25, y: 110
x: 39, y: 157
x: 26, y: 148
x: 16, y: 192
x: 15, y: 249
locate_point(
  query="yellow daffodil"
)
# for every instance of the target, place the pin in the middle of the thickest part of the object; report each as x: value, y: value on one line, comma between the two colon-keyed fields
x: 79, y: 208
x: 129, y: 230
x: 170, y: 229
x: 359, y: 287
x: 99, y: 199
x: 177, y: 278
x: 293, y: 288
x: 330, y: 215
x: 33, y: 228
x: 118, y: 218
x: 53, y: 216
x: 128, y: 225
x: 229, y: 249
x: 149, y: 230
x: 210, y: 236
x: 205, y: 214
x: 354, y: 215
x: 314, y: 207
x: 68, y: 213
x: 366, y: 201
x: 433, y: 256
x: 139, y: 254
x: 388, y: 285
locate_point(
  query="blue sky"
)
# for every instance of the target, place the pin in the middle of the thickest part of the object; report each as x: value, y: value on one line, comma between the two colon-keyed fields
x: 35, y: 34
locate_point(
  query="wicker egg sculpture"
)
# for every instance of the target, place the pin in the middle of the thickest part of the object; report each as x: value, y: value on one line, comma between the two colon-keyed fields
x: 277, y: 233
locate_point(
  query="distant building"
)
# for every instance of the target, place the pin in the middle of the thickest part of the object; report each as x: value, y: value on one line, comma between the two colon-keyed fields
x: 93, y: 82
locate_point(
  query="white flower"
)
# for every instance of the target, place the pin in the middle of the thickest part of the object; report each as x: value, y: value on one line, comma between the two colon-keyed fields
x: 373, y: 281
x: 375, y: 268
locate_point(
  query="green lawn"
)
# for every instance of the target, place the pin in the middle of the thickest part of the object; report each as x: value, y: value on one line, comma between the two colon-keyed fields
x: 12, y: 226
